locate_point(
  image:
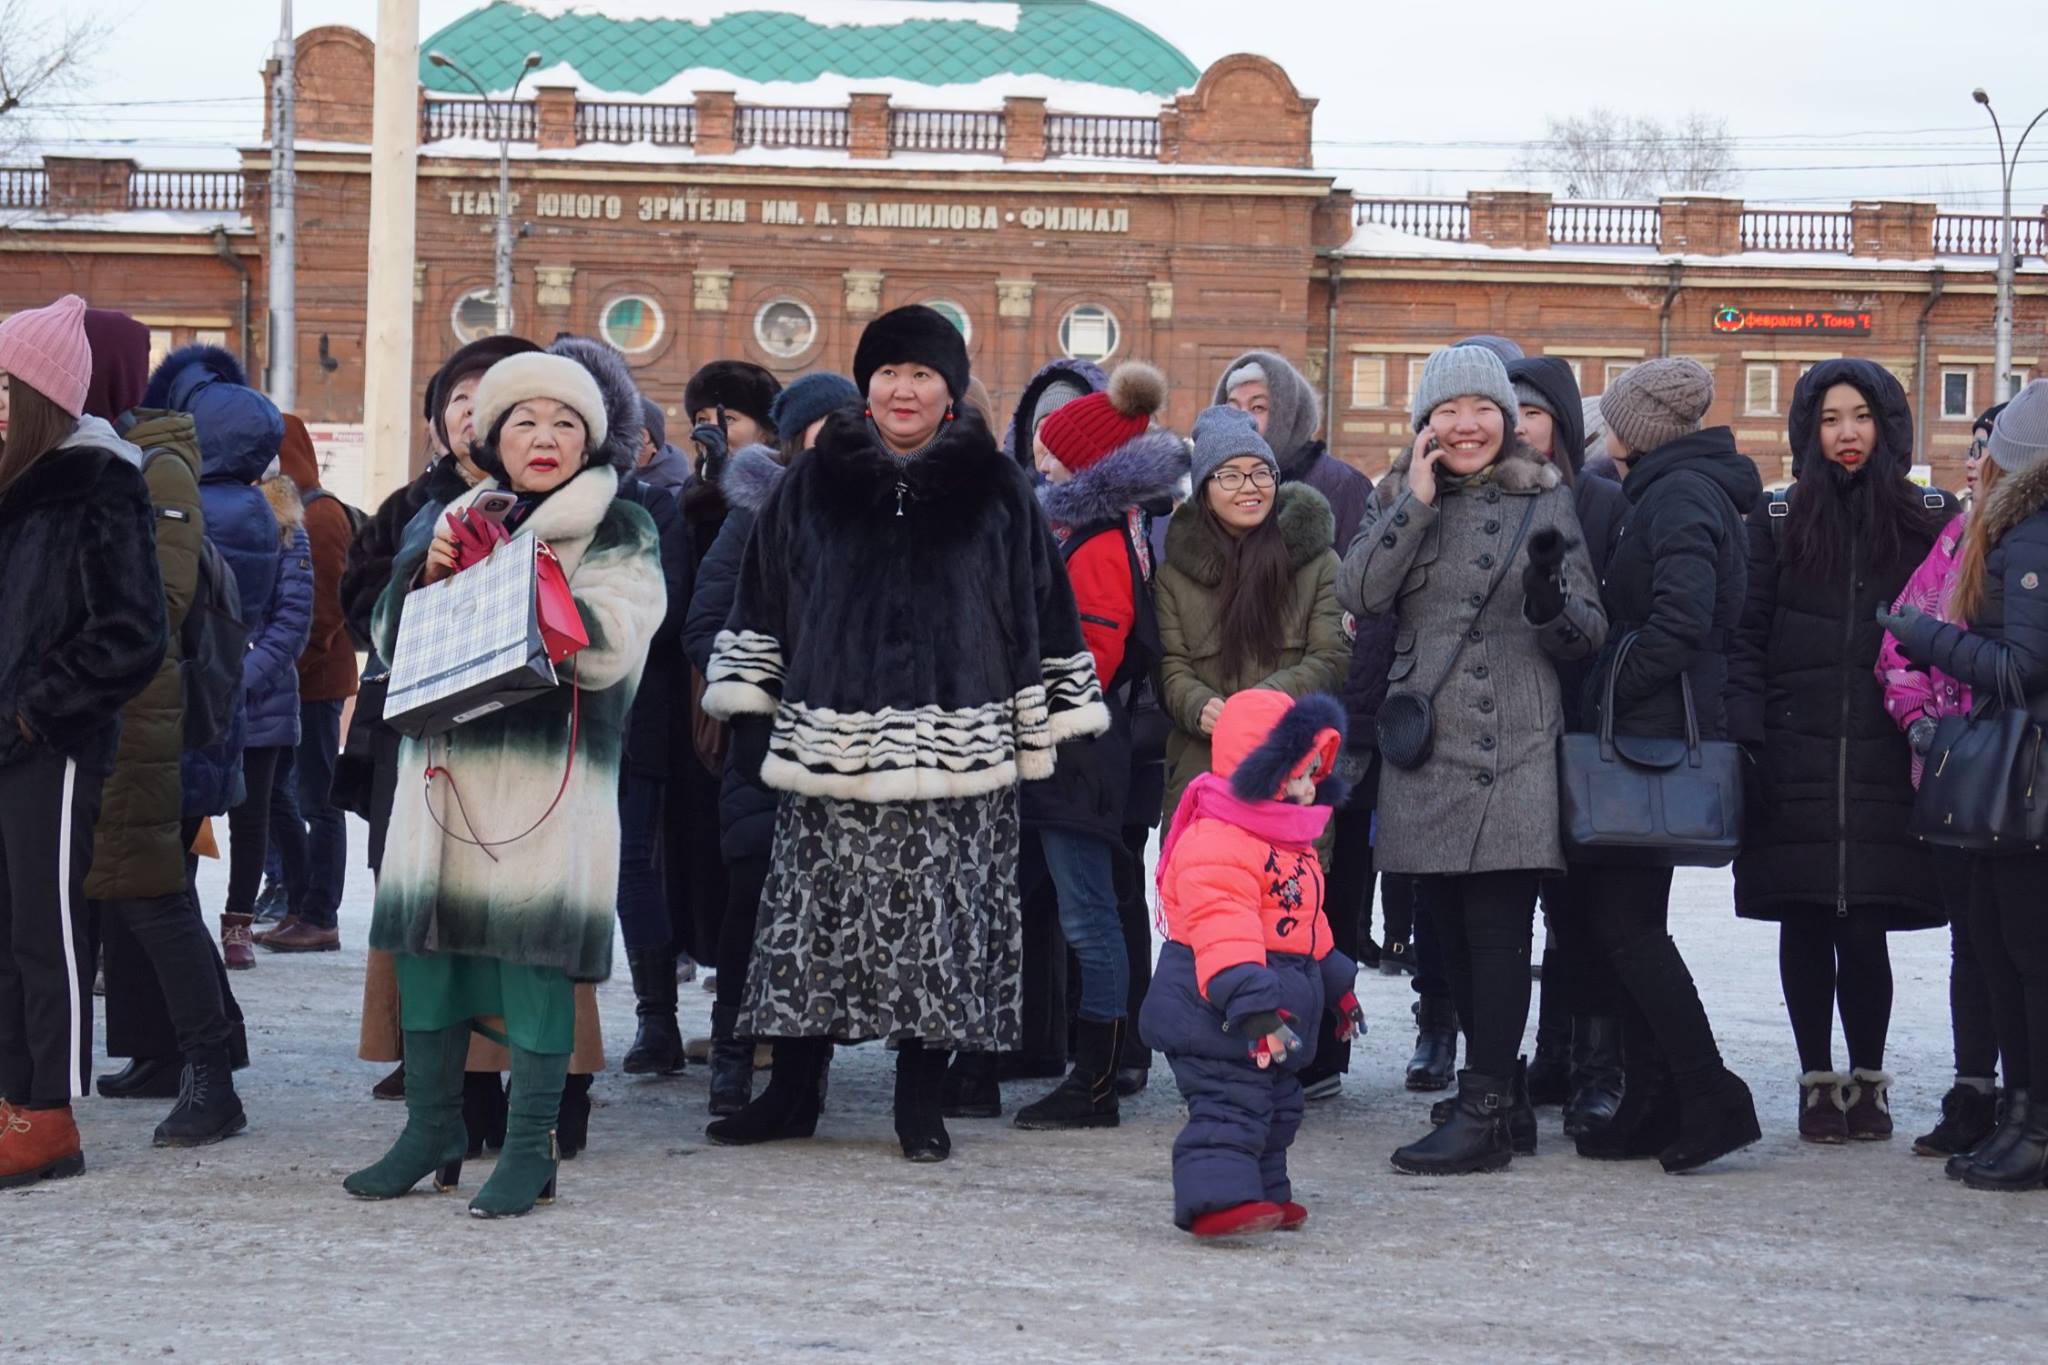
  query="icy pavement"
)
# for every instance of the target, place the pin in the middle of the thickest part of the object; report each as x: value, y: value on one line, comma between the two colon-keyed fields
x: 1025, y: 1246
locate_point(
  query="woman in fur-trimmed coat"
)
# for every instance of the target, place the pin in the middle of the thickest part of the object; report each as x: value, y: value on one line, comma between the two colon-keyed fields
x: 495, y: 938
x: 903, y: 617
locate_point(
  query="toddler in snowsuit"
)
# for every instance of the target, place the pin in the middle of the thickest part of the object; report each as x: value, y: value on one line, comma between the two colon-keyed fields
x: 1248, y: 959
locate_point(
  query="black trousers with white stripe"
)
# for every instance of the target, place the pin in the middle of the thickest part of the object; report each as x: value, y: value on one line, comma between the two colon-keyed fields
x: 48, y: 808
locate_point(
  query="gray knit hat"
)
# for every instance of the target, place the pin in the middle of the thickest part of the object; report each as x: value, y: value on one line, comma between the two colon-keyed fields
x: 2019, y: 438
x: 1656, y: 402
x: 1529, y: 396
x: 1052, y: 398
x: 1459, y: 371
x: 1224, y: 433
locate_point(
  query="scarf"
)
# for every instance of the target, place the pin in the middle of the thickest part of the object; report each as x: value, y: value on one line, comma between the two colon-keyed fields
x: 1281, y: 823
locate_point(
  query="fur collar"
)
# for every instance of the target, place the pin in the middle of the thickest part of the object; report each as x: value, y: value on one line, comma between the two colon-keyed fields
x: 1138, y: 472
x: 1307, y: 525
x: 960, y: 468
x: 1518, y: 470
x: 569, y: 518
x: 2017, y: 497
x: 749, y: 477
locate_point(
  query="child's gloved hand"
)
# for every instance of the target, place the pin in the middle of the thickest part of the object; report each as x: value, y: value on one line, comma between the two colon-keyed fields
x: 1350, y: 1018
x: 1270, y: 1038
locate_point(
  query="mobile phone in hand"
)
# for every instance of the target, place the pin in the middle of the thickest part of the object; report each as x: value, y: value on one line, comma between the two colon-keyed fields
x: 495, y: 506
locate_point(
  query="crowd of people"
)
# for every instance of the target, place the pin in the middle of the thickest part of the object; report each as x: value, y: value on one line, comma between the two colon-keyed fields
x: 883, y: 697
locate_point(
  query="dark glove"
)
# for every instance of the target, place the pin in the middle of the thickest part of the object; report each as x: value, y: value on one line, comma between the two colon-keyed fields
x: 713, y: 446
x: 1258, y: 1029
x: 1543, y: 578
x: 749, y: 746
x: 1350, y: 1018
x: 1920, y: 734
x: 1899, y: 620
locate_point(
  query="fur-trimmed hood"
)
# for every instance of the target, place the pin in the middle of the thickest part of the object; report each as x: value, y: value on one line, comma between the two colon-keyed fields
x: 961, y: 465
x: 749, y: 477
x: 239, y: 429
x: 286, y: 505
x: 1306, y: 526
x: 1519, y: 469
x: 1084, y: 375
x: 625, y: 420
x: 1306, y: 728
x: 1137, y: 473
x: 2017, y: 497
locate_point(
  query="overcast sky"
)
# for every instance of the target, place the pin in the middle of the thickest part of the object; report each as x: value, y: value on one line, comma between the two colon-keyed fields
x: 1827, y: 99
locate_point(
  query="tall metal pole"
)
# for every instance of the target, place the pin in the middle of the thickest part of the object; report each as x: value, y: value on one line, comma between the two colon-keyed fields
x: 2001, y: 318
x: 388, y: 400
x: 502, y: 274
x: 284, y: 294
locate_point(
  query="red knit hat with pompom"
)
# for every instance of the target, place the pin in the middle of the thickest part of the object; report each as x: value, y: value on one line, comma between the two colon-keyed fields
x: 1082, y: 432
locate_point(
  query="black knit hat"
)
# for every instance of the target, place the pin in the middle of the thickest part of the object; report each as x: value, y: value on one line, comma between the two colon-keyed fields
x: 735, y: 385
x: 475, y: 358
x: 914, y: 335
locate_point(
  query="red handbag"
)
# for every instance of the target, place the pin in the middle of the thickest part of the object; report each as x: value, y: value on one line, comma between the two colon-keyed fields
x: 561, y: 624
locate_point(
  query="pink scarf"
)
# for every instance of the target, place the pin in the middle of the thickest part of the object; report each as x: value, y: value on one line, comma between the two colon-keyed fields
x: 1281, y: 823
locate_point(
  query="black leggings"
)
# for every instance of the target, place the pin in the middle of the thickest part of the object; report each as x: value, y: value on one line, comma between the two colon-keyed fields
x: 1966, y: 895
x: 744, y: 879
x: 1827, y: 959
x: 249, y: 828
x: 1483, y: 920
x: 2014, y: 954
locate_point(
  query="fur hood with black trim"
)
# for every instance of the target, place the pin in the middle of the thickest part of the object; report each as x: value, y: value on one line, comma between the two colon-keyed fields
x: 1139, y: 473
x: 905, y: 622
x: 1306, y: 525
x: 750, y: 476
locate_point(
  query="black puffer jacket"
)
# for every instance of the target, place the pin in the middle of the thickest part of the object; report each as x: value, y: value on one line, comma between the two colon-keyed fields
x: 1677, y: 577
x: 1827, y: 811
x: 649, y: 727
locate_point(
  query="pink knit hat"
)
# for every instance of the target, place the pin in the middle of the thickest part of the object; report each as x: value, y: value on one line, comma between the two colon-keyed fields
x: 46, y: 349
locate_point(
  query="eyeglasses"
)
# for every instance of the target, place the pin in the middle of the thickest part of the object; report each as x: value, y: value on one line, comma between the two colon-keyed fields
x: 1977, y: 448
x: 1231, y: 480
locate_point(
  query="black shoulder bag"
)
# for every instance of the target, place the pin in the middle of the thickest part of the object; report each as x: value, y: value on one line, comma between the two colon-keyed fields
x: 1980, y: 786
x: 1648, y: 801
x: 1406, y: 725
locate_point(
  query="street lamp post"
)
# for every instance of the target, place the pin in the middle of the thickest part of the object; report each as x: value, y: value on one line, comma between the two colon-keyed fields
x: 2001, y: 381
x: 502, y: 262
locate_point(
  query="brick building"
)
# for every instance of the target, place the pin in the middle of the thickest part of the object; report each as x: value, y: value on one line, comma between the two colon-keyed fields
x: 1056, y: 178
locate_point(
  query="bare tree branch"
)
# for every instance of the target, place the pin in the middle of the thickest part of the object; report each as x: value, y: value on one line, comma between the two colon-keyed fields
x: 41, y: 54
x: 1604, y: 154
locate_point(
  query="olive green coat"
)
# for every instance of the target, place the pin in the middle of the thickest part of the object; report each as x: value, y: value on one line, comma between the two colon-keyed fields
x: 137, y: 854
x: 1315, y: 649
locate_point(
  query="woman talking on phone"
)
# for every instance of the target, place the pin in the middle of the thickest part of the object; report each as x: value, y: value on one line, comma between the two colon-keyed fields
x: 1481, y: 559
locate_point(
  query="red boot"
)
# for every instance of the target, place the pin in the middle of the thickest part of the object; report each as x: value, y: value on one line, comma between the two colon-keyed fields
x: 1292, y: 1216
x: 38, y: 1144
x: 237, y: 946
x: 1240, y: 1220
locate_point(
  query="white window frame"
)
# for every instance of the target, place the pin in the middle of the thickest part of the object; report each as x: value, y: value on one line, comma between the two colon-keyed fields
x: 1368, y: 381
x: 1969, y: 412
x: 1115, y: 337
x: 1750, y: 374
x: 645, y: 300
x: 761, y: 317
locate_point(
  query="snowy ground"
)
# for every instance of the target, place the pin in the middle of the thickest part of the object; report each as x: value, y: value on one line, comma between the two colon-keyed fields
x: 1024, y: 1247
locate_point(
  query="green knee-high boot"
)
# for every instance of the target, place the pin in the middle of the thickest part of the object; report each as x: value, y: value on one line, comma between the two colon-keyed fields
x: 433, y: 1142
x: 526, y: 1168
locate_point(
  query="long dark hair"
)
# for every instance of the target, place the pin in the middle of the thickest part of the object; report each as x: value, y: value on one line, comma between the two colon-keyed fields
x: 1253, y: 590
x: 35, y: 427
x: 1824, y: 514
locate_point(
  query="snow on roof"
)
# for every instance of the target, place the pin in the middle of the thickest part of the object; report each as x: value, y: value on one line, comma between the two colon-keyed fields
x: 834, y: 13
x: 154, y: 222
x: 832, y: 90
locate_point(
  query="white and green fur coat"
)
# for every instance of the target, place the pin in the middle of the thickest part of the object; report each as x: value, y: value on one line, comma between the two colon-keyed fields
x: 549, y: 899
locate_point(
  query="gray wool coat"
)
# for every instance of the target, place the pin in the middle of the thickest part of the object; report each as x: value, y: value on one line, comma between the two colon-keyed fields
x: 1486, y: 798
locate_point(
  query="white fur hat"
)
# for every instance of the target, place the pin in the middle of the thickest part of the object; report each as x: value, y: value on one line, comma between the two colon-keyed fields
x: 540, y: 374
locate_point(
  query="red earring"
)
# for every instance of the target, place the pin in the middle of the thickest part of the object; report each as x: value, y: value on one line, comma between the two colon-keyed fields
x: 868, y: 413
x: 949, y: 412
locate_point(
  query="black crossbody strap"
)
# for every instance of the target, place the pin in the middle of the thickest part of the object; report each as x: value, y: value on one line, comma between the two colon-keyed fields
x: 1528, y: 514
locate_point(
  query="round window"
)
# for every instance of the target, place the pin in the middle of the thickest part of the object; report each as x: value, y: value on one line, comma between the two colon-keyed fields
x: 955, y: 314
x: 785, y: 328
x: 476, y: 315
x: 1088, y: 332
x: 632, y: 323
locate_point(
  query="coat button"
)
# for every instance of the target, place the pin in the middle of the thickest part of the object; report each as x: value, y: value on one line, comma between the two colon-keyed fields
x: 1493, y: 495
x: 1486, y: 741
x: 1400, y: 518
x: 1480, y: 671
x: 1486, y: 703
x: 1474, y: 600
x: 1388, y: 540
x: 1486, y: 779
x: 1475, y: 637
x: 1486, y: 561
x: 1493, y: 528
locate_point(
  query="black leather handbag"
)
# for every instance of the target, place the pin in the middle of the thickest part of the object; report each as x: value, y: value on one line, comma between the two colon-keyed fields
x: 1405, y: 728
x: 1978, y: 789
x: 1649, y: 801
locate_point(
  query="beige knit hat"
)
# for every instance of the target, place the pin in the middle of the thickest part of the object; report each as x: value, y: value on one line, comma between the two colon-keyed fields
x: 1656, y: 402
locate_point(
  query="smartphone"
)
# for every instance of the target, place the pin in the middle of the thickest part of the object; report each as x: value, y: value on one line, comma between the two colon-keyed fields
x: 494, y: 505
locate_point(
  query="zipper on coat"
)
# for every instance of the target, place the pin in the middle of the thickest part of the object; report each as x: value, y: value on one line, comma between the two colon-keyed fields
x: 901, y: 489
x: 1842, y: 740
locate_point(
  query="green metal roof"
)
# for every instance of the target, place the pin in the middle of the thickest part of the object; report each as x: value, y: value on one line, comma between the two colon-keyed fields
x: 1069, y: 40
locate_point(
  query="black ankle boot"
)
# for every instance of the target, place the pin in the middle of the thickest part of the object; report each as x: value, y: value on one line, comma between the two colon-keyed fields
x: 1475, y: 1138
x: 1596, y: 1075
x: 1087, y: 1097
x: 920, y: 1081
x: 788, y: 1107
x: 145, y: 1078
x: 2021, y: 1164
x: 1436, y: 1044
x: 1521, y: 1113
x: 1716, y: 1114
x: 572, y: 1127
x: 969, y: 1090
x: 658, y: 1041
x: 732, y: 1076
x: 208, y: 1110
x: 483, y: 1110
x: 1968, y: 1114
x: 2014, y: 1110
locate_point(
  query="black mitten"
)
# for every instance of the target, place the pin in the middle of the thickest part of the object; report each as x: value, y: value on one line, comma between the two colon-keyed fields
x: 1543, y: 579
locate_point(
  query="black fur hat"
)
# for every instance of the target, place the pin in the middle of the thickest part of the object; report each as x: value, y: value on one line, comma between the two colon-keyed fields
x: 917, y: 335
x: 473, y: 358
x: 736, y: 385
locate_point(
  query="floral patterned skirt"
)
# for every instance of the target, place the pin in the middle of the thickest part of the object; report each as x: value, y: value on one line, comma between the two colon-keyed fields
x: 897, y: 921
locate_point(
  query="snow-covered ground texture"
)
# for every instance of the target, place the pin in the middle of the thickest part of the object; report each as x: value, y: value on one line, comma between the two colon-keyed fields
x: 1025, y: 1246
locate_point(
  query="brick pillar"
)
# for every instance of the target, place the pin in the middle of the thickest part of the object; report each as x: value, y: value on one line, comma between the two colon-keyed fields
x: 867, y: 127
x: 715, y: 118
x: 1170, y: 132
x: 555, y: 105
x: 1704, y: 225
x: 1519, y: 218
x: 1023, y: 128
x: 87, y: 184
x: 1891, y: 229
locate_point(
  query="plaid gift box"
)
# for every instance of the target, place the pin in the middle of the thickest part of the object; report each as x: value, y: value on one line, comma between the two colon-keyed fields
x: 470, y: 644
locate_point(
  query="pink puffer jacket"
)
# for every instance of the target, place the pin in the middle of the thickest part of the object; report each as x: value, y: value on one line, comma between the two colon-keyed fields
x: 1911, y: 692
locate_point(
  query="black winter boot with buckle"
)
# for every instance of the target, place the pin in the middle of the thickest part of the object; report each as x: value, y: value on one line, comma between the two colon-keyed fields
x: 658, y: 1040
x: 1436, y: 1044
x: 1596, y: 1075
x: 208, y: 1110
x: 1087, y: 1097
x: 1473, y: 1139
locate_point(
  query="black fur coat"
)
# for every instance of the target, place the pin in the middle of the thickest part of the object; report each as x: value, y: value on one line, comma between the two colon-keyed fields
x: 906, y: 622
